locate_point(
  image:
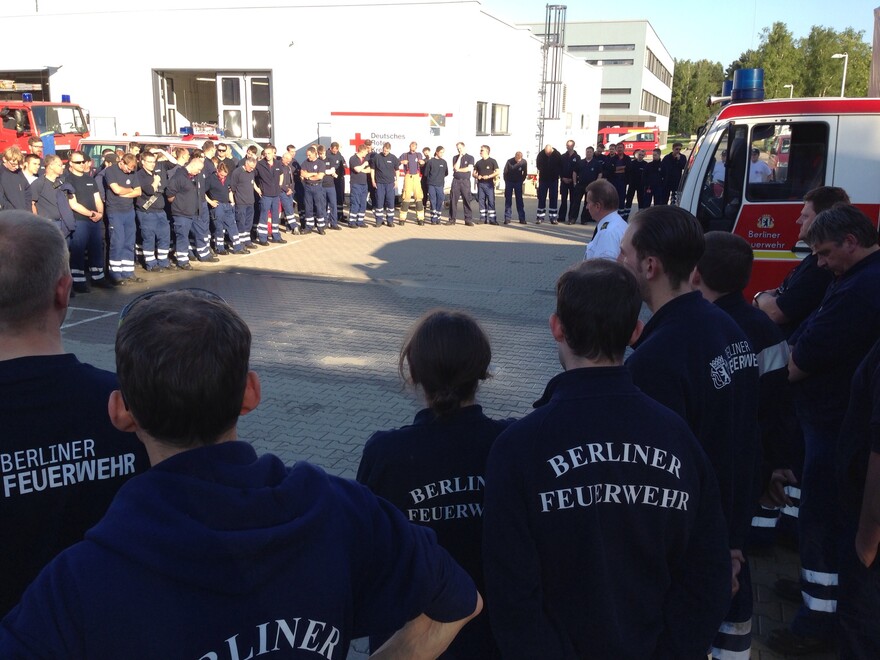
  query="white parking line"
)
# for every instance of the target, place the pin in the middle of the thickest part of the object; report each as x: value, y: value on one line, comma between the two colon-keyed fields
x: 102, y: 315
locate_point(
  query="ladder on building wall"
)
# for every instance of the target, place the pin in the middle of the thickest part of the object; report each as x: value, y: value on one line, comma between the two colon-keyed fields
x: 550, y: 92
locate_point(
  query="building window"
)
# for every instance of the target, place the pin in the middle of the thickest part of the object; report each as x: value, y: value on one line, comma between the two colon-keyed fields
x: 500, y: 115
x: 598, y: 48
x: 655, y: 66
x: 482, y: 118
x: 619, y: 106
x: 610, y: 62
x: 654, y: 104
x: 617, y: 90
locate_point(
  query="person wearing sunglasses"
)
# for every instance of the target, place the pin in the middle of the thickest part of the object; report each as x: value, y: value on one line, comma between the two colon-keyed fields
x: 224, y: 155
x: 218, y: 552
x: 87, y: 241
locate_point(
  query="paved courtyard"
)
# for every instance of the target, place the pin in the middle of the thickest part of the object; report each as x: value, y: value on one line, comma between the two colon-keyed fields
x: 329, y: 314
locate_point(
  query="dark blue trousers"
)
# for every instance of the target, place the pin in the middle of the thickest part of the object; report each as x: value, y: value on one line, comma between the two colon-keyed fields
x: 155, y: 237
x: 511, y: 189
x: 357, y: 209
x: 384, y: 206
x: 201, y: 232
x: 87, y: 241
x: 268, y: 206
x: 182, y: 226
x: 122, y: 237
x: 244, y: 220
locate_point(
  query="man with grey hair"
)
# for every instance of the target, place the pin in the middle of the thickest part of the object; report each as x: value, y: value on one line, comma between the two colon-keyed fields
x: 827, y: 350
x: 61, y: 460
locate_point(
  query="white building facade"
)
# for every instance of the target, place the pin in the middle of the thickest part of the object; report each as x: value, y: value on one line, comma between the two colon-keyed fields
x: 637, y: 70
x: 297, y: 73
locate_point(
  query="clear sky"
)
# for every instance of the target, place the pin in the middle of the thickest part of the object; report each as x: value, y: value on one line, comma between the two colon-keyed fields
x: 701, y: 29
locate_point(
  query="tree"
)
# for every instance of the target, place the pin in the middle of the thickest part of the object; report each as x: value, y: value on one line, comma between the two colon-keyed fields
x: 693, y: 83
x: 781, y: 60
x: 806, y: 63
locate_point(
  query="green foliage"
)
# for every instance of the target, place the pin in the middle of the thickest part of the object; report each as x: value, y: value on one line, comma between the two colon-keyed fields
x: 805, y: 63
x: 694, y: 82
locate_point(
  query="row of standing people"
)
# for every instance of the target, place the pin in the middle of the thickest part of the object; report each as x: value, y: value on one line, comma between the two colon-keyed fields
x: 564, y: 177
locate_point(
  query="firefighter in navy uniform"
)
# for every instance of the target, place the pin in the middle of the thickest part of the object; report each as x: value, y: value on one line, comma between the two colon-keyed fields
x: 462, y: 172
x: 603, y: 532
x: 570, y: 160
x: 486, y: 172
x: 268, y: 176
x: 618, y: 164
x: 386, y: 170
x: 312, y: 174
x: 549, y: 164
x: 515, y: 172
x: 637, y: 182
x: 151, y: 214
x: 694, y: 359
x: 328, y: 188
x: 827, y: 350
x: 184, y: 194
x: 589, y: 168
x: 288, y: 192
x: 655, y: 185
x: 337, y: 162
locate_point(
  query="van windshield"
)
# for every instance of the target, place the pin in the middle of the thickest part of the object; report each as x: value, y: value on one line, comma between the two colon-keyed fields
x: 59, y: 119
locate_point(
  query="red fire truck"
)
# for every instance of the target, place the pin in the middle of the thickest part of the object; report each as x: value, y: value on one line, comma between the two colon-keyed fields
x: 62, y: 123
x: 829, y: 141
x: 646, y: 138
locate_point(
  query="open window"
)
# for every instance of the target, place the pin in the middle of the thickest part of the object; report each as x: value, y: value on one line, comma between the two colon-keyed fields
x: 786, y: 160
x: 722, y: 185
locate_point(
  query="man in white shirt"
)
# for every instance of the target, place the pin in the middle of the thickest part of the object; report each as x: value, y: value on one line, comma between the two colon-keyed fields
x: 759, y: 171
x: 602, y: 200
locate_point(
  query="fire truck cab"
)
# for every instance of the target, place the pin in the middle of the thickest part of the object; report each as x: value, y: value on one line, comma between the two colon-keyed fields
x: 62, y: 124
x: 732, y: 183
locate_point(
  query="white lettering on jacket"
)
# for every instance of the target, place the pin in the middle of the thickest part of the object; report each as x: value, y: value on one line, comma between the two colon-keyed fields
x: 307, y: 635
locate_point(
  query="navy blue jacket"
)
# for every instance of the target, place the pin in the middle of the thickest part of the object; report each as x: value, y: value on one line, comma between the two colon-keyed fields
x: 61, y: 462
x: 14, y: 193
x: 589, y: 171
x: 776, y: 420
x: 436, y: 171
x: 216, y: 549
x: 549, y: 165
x: 569, y: 163
x: 434, y: 472
x: 834, y: 339
x: 604, y: 536
x: 695, y: 360
x: 859, y: 437
x: 802, y: 291
x: 672, y: 168
x: 184, y: 190
x: 268, y: 177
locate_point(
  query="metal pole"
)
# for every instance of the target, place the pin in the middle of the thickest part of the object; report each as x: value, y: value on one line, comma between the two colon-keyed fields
x: 843, y: 84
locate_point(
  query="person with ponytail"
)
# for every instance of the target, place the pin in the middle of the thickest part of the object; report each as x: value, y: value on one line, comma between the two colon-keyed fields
x: 433, y: 469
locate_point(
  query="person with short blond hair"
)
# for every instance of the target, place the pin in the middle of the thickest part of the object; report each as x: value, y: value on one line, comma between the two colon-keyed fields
x: 13, y: 184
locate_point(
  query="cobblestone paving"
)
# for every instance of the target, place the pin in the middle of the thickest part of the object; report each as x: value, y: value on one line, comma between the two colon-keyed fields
x: 329, y: 313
